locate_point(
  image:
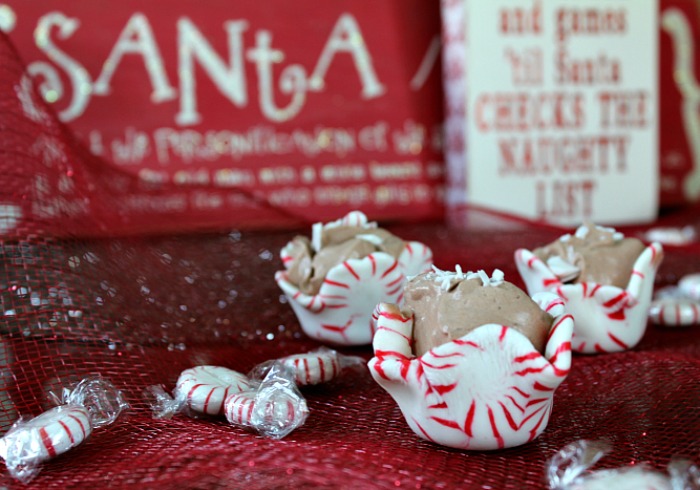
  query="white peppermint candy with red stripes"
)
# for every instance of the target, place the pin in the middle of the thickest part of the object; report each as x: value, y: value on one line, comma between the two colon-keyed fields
x: 690, y: 286
x: 268, y: 418
x: 675, y: 312
x: 490, y: 389
x: 46, y: 436
x: 92, y: 403
x: 608, y: 318
x: 341, y: 312
x: 274, y: 408
x: 314, y: 367
x: 205, y: 388
x: 240, y: 409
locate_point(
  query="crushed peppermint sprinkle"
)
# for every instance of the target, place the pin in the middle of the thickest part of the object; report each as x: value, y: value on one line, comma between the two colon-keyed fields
x: 316, y: 232
x: 447, y: 277
x: 616, y: 235
x: 582, y: 233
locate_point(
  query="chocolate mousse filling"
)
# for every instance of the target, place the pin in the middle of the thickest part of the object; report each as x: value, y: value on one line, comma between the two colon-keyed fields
x: 447, y: 306
x: 311, y: 260
x: 593, y: 254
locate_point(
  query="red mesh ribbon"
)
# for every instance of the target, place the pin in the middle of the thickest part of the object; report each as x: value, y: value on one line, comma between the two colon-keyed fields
x: 139, y: 310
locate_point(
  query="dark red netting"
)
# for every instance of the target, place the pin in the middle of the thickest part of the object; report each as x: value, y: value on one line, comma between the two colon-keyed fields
x: 140, y: 309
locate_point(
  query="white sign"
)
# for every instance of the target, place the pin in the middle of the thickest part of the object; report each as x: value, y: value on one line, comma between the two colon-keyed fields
x: 562, y: 109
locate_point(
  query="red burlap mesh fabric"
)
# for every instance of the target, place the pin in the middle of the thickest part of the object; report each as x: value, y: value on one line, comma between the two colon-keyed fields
x: 139, y: 310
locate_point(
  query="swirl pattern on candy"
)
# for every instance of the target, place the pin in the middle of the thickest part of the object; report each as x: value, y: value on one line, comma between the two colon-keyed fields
x: 205, y: 388
x: 93, y: 403
x: 311, y: 370
x: 489, y: 388
x: 334, y: 280
x: 267, y: 400
x: 605, y: 280
x: 55, y: 432
x: 677, y: 306
x: 274, y: 409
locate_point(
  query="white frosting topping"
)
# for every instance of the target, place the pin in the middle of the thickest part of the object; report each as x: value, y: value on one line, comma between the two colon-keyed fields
x: 316, y: 233
x: 446, y: 278
x: 582, y: 233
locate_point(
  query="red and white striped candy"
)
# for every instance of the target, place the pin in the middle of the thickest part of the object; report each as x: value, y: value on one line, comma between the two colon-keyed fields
x: 56, y: 431
x: 207, y: 387
x: 690, y: 286
x: 313, y: 368
x: 675, y: 312
x: 238, y: 408
x: 279, y: 417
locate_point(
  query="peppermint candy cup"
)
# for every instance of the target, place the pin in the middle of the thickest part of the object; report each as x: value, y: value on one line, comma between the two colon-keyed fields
x: 608, y: 318
x: 92, y: 403
x: 489, y: 389
x: 340, y: 312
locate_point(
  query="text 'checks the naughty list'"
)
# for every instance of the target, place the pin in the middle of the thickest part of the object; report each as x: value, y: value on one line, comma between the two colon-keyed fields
x: 562, y: 108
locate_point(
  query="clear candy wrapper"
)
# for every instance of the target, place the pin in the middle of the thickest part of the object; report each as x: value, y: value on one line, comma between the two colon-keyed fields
x: 199, y: 390
x: 267, y: 400
x: 274, y: 408
x: 314, y: 367
x: 164, y: 405
x: 92, y: 403
x: 569, y: 469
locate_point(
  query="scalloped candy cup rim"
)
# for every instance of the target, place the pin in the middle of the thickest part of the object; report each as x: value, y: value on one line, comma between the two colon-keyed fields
x: 341, y: 312
x: 608, y: 318
x: 487, y: 390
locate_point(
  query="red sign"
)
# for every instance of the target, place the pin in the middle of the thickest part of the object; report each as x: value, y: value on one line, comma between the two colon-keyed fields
x: 251, y: 112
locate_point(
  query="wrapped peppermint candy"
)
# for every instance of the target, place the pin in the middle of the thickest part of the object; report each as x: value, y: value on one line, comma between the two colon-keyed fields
x: 314, y: 367
x: 267, y: 401
x: 677, y: 306
x: 569, y: 470
x: 671, y: 235
x: 92, y: 403
x: 277, y: 407
x: 199, y: 390
x: 274, y: 408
